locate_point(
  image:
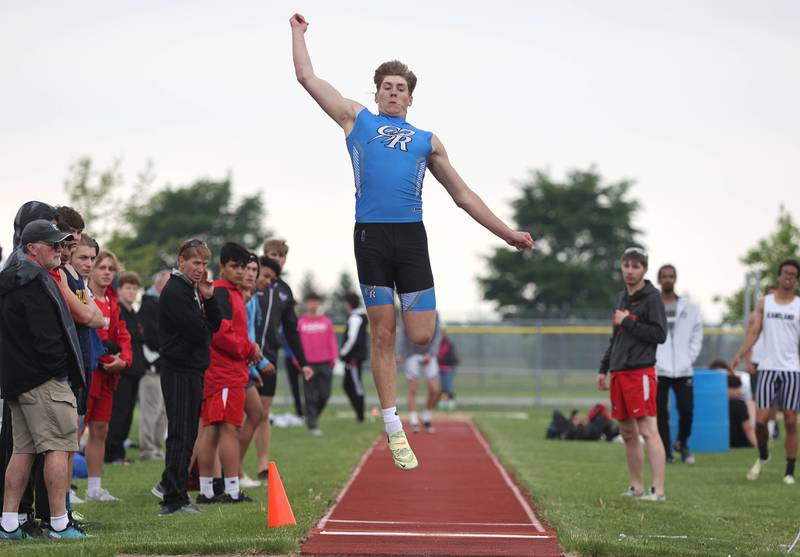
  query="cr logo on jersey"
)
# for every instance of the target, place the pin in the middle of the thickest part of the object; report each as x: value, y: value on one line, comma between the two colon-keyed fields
x: 392, y: 136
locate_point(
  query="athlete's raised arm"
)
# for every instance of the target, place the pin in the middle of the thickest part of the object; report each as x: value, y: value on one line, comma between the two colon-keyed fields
x: 343, y: 111
x: 464, y: 197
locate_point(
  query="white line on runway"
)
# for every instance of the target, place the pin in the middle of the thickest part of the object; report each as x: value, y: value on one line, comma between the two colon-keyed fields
x: 356, y: 472
x: 436, y: 535
x: 430, y: 523
x: 511, y: 485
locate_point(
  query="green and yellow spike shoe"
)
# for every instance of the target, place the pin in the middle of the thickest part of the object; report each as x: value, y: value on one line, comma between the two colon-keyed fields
x: 402, y: 454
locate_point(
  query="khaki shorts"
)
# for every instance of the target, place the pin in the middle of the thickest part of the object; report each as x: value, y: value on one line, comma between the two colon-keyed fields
x: 45, y: 419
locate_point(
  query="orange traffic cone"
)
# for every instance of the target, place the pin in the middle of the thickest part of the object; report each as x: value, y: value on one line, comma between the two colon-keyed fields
x: 279, y: 511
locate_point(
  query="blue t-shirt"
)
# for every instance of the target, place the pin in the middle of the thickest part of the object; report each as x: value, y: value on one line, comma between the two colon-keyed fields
x: 389, y: 158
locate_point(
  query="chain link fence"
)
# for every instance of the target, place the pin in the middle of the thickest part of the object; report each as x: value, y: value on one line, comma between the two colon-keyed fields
x: 547, y: 363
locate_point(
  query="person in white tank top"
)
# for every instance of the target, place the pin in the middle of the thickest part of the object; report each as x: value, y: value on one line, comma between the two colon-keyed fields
x: 778, y: 320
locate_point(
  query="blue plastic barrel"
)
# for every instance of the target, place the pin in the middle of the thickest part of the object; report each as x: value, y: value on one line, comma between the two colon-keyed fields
x: 710, y: 426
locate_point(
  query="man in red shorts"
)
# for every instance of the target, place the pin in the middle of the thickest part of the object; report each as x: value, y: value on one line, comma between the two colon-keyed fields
x: 640, y: 325
x: 225, y: 381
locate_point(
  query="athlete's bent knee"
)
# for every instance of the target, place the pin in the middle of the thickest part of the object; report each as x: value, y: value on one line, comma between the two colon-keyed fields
x: 420, y: 337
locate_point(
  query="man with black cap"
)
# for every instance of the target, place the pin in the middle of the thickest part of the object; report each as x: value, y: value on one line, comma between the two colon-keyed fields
x: 36, y: 375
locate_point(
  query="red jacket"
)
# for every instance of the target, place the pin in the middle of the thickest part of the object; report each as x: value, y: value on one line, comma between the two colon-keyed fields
x: 114, y: 330
x: 230, y: 348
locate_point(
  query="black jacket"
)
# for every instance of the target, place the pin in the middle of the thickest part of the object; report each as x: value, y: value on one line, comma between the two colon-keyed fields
x: 277, y: 309
x: 633, y: 343
x: 131, y: 318
x: 354, y: 340
x: 185, y: 326
x: 38, y: 340
x: 148, y: 317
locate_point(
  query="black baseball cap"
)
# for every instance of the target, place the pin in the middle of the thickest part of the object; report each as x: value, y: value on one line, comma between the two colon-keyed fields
x: 41, y: 230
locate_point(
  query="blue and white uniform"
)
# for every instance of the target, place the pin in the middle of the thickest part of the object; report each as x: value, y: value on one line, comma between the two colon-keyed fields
x: 389, y: 158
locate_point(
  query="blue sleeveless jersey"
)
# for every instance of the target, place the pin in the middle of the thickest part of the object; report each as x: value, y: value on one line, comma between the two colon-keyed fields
x: 389, y: 158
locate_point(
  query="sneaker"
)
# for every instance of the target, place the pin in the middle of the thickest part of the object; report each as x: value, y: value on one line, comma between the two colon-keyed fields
x: 32, y: 528
x: 415, y: 427
x: 187, y: 508
x: 74, y: 499
x: 402, y: 454
x: 248, y: 482
x: 788, y: 479
x: 101, y: 494
x: 18, y: 534
x: 755, y: 470
x: 652, y: 496
x: 263, y: 475
x: 203, y: 500
x: 68, y: 533
x: 77, y: 521
x: 158, y: 491
x: 670, y: 459
x: 686, y: 456
x: 631, y: 492
x: 428, y: 427
x: 316, y: 432
x: 226, y: 499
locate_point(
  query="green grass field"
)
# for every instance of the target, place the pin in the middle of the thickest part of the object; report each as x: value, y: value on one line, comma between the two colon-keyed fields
x: 576, y: 486
x: 711, y: 508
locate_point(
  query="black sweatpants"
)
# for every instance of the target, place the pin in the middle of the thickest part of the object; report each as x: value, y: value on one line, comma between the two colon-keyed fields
x: 684, y: 400
x: 354, y: 387
x: 317, y: 392
x: 293, y: 375
x: 121, y: 416
x: 183, y: 396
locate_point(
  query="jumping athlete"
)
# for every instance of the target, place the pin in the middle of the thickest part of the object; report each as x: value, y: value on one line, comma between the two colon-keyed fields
x: 778, y: 317
x: 389, y: 157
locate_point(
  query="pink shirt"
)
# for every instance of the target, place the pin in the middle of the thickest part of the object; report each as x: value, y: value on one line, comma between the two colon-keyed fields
x: 318, y: 338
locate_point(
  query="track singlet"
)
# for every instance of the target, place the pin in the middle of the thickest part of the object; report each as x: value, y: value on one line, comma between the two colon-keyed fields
x: 389, y: 158
x: 781, y: 333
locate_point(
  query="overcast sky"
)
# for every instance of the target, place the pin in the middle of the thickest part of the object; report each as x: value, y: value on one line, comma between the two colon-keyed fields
x: 697, y: 102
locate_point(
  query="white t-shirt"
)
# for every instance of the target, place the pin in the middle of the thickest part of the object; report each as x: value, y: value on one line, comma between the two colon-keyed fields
x: 781, y: 332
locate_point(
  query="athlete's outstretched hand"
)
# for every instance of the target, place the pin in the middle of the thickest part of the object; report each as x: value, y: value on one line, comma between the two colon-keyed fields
x: 298, y: 22
x: 520, y: 240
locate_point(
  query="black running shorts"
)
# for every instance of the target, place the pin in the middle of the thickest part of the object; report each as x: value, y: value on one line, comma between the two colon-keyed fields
x: 393, y: 255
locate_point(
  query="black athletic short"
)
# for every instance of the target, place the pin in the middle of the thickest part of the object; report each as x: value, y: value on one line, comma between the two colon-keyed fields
x: 394, y: 256
x: 270, y: 382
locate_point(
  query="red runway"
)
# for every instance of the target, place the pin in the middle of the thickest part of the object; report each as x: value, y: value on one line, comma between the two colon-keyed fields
x: 460, y: 501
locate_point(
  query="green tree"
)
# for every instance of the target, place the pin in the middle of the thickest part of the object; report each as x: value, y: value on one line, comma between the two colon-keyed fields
x: 763, y: 259
x: 158, y: 224
x: 581, y: 226
x: 92, y: 193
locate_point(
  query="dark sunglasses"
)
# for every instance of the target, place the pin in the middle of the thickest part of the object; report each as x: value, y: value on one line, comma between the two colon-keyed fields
x: 193, y: 243
x: 54, y: 245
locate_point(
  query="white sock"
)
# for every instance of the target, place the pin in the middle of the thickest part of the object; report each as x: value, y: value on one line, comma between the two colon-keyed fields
x: 413, y: 417
x: 426, y: 415
x: 391, y: 421
x: 10, y: 522
x: 207, y: 486
x: 94, y: 484
x: 59, y: 523
x: 23, y: 518
x: 232, y: 487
